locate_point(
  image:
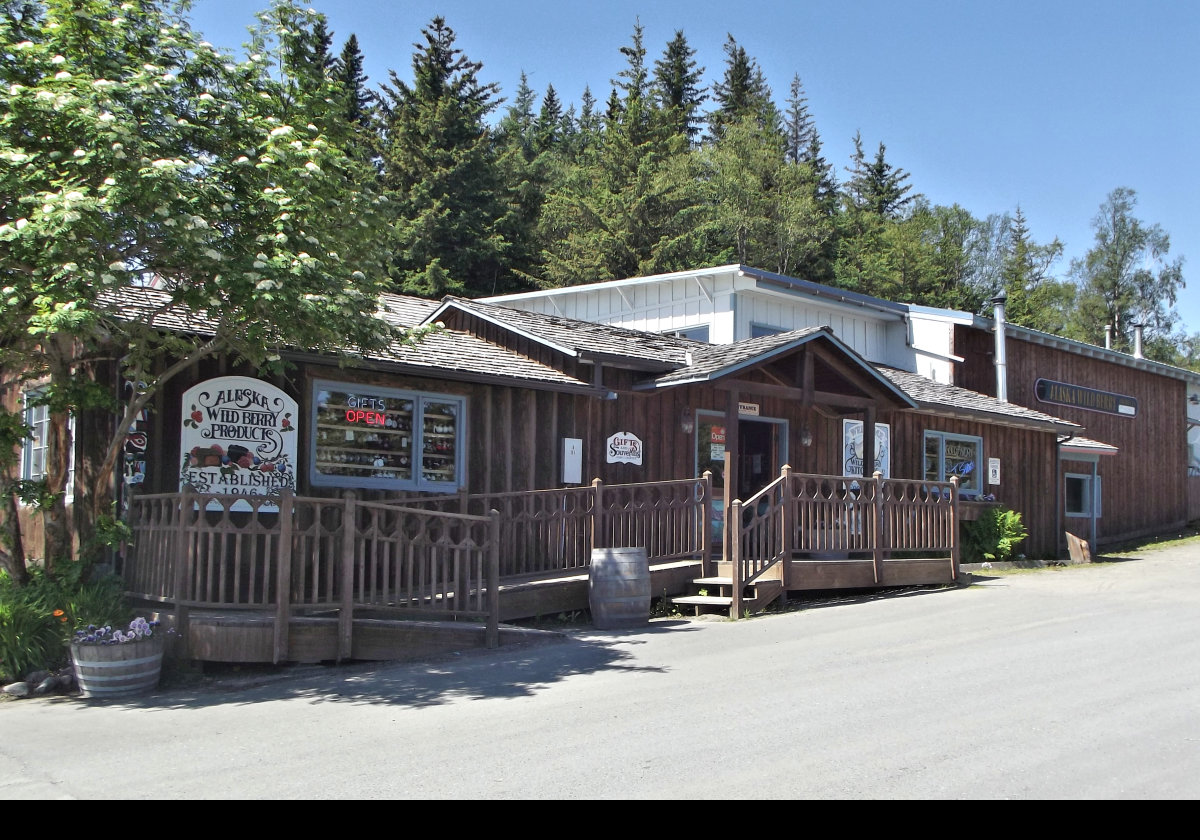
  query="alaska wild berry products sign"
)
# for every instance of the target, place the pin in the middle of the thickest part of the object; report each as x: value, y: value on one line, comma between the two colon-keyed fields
x: 238, y: 438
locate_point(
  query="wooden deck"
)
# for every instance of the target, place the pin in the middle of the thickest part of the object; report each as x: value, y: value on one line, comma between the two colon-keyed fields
x: 313, y: 579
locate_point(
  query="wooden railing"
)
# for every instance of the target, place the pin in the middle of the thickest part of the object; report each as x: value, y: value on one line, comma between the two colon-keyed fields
x: 816, y: 516
x: 548, y: 531
x: 298, y: 554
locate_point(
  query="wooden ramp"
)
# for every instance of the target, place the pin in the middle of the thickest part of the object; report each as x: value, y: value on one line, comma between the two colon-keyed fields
x: 249, y: 635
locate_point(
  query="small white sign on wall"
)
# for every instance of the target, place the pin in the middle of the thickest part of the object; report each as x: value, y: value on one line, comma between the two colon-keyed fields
x: 572, y: 462
x: 993, y: 470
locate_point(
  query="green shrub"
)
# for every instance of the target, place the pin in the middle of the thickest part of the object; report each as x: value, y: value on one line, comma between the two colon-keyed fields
x: 30, y: 640
x: 38, y: 618
x: 100, y: 602
x: 993, y: 536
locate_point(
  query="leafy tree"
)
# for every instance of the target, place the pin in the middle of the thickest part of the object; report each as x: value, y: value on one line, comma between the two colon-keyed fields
x: 1034, y: 298
x: 438, y: 164
x: 609, y: 215
x: 762, y: 204
x: 1125, y: 277
x: 677, y: 87
x: 135, y: 153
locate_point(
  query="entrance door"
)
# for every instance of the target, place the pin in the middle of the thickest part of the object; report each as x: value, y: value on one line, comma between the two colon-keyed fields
x: 760, y: 445
x: 760, y: 458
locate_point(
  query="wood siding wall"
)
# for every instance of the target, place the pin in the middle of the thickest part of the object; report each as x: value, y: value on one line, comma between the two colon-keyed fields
x: 1144, y: 486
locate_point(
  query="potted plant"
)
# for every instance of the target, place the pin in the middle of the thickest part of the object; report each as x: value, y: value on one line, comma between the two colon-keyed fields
x: 112, y: 662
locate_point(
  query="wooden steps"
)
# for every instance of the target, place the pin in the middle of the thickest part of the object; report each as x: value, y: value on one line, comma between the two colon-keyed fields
x: 715, y: 594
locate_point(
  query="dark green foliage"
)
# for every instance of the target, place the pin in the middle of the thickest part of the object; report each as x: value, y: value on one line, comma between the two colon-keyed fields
x: 439, y: 165
x: 741, y: 93
x: 38, y: 617
x: 30, y: 640
x: 677, y: 87
x: 348, y: 73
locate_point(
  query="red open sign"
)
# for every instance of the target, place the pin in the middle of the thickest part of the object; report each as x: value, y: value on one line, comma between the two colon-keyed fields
x: 371, y: 418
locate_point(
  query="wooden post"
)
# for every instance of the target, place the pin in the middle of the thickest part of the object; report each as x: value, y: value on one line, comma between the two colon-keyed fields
x: 598, y: 515
x: 492, y: 638
x: 788, y: 518
x: 283, y: 576
x: 878, y: 548
x: 345, y: 643
x: 183, y: 563
x: 706, y: 513
x: 955, y: 548
x: 732, y: 530
x: 734, y: 515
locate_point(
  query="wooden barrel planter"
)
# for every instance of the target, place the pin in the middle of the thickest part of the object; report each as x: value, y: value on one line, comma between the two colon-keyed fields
x: 124, y: 670
x: 619, y: 588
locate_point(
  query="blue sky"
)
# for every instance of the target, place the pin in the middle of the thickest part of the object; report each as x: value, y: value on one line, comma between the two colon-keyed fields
x: 1047, y: 105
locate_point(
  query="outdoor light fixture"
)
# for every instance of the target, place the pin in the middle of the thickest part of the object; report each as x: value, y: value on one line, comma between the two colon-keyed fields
x: 687, y: 421
x: 806, y: 436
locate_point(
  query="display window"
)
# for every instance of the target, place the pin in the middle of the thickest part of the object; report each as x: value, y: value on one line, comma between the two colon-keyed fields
x: 366, y: 436
x: 949, y: 455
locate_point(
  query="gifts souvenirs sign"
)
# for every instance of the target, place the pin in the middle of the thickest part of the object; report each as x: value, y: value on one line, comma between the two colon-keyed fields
x: 624, y: 448
x: 238, y: 438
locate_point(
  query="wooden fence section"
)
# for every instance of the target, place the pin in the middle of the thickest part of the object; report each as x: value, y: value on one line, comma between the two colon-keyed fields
x: 822, y: 516
x: 294, y: 554
x: 551, y: 531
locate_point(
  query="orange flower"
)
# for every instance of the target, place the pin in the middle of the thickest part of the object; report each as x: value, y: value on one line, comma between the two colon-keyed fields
x: 61, y: 616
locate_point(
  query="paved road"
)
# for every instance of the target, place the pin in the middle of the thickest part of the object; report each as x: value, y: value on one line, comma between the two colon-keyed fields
x: 1077, y: 683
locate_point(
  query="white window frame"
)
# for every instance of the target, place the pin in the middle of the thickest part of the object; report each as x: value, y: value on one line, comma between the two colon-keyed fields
x: 976, y: 476
x: 760, y: 330
x: 696, y: 332
x: 37, y: 418
x: 1091, y: 494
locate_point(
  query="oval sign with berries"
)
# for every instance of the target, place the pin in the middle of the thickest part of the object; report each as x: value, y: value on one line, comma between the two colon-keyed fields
x: 238, y: 438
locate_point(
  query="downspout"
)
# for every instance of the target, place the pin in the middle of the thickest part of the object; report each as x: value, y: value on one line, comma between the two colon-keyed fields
x: 1001, y: 364
x: 1059, y: 525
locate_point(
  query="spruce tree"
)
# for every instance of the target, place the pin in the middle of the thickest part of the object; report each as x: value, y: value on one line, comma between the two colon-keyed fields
x: 677, y: 87
x: 742, y: 92
x: 438, y: 163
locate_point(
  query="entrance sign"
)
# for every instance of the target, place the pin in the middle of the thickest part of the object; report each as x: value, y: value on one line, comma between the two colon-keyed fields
x: 852, y: 448
x: 748, y: 409
x: 624, y: 448
x: 238, y: 438
x: 1076, y: 396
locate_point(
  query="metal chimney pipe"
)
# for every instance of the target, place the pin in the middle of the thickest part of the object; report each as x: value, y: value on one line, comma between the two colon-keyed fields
x: 1108, y: 336
x: 1001, y: 364
x: 1137, y: 341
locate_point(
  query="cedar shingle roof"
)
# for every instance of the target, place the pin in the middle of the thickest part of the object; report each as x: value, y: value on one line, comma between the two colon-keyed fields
x: 639, y: 349
x: 937, y: 395
x: 440, y: 353
x: 712, y: 361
